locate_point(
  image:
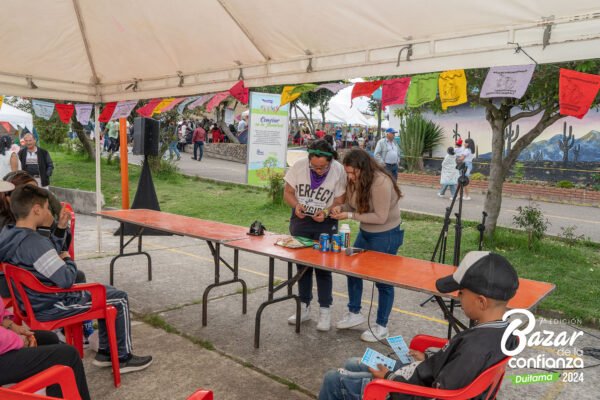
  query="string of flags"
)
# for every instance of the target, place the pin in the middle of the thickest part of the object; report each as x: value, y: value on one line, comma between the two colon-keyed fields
x: 577, y: 91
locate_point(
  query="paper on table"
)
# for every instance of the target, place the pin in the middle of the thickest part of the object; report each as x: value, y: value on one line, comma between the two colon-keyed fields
x: 372, y: 358
x: 400, y: 348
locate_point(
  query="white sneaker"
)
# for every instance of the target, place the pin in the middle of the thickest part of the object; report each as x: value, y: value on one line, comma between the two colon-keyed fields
x: 466, y: 198
x: 440, y: 195
x: 350, y: 320
x: 304, y: 314
x: 324, y: 319
x: 379, y: 333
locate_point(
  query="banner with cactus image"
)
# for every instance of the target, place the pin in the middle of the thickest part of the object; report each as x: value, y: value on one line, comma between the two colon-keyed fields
x: 267, y: 138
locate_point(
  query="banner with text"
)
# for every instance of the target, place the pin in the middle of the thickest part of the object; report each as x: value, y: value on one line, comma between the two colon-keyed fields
x: 267, y: 137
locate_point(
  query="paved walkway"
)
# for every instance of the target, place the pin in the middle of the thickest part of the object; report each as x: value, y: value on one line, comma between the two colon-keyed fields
x: 221, y: 356
x: 425, y: 200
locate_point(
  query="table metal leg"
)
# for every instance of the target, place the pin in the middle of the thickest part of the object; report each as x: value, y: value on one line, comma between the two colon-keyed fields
x: 453, y: 322
x: 289, y: 283
x: 215, y: 249
x: 123, y: 245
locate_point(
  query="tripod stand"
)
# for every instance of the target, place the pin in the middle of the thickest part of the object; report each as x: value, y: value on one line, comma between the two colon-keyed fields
x: 439, y: 252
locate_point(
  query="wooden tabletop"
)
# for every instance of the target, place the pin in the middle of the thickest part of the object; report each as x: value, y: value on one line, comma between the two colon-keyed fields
x: 178, y: 224
x: 404, y: 272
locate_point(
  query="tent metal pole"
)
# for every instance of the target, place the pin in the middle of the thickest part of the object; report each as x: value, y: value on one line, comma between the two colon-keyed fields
x: 124, y: 163
x: 98, y: 178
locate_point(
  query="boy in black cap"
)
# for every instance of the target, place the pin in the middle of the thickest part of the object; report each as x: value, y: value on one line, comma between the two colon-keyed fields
x: 485, y: 281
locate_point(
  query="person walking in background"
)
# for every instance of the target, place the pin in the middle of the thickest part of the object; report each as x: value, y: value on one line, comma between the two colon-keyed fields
x: 349, y: 138
x: 9, y: 161
x: 174, y: 144
x: 466, y: 156
x: 449, y: 175
x: 387, y: 152
x: 373, y: 199
x: 36, y: 161
x: 113, y: 136
x: 198, y: 138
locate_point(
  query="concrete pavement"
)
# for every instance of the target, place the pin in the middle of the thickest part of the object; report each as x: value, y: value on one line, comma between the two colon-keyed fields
x: 221, y: 356
x: 425, y: 200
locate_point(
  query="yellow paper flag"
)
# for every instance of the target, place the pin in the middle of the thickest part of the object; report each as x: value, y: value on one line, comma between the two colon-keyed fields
x: 287, y: 96
x: 453, y: 88
x: 1, y: 100
x: 165, y: 102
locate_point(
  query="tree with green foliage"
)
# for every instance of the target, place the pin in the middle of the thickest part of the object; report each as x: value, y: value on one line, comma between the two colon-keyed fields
x: 541, y: 100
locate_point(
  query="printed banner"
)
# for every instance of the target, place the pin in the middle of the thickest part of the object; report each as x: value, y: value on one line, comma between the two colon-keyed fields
x: 576, y: 92
x: 508, y: 81
x: 240, y: 92
x: 394, y: 91
x: 173, y: 104
x: 332, y: 87
x: 123, y: 109
x: 287, y: 96
x: 146, y: 111
x: 216, y: 100
x: 200, y: 101
x: 108, y: 111
x: 42, y: 109
x: 267, y: 137
x: 364, y: 89
x: 185, y: 102
x: 65, y: 111
x: 163, y: 103
x: 83, y: 113
x: 453, y: 88
x: 422, y: 89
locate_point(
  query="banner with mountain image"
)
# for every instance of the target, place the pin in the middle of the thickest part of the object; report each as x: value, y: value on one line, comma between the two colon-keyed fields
x: 507, y: 81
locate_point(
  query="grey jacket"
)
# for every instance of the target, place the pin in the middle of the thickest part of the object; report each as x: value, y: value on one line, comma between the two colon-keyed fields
x: 381, y: 150
x: 38, y: 254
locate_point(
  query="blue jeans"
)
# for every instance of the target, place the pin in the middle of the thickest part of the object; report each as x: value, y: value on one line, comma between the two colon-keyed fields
x: 198, y: 146
x: 348, y: 383
x: 451, y: 187
x: 173, y: 148
x: 469, y: 168
x: 384, y: 242
x: 392, y: 169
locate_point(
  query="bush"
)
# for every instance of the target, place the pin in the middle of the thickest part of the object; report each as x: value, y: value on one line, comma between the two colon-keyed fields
x: 417, y: 136
x: 531, y: 219
x: 569, y: 236
x: 478, y: 176
x: 519, y: 172
x: 565, y: 184
x: 53, y: 131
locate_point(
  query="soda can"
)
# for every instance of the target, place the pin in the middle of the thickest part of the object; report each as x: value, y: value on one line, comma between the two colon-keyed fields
x: 324, y: 242
x: 336, y: 243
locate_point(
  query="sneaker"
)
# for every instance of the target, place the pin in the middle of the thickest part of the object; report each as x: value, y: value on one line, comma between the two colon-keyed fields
x: 379, y: 333
x: 135, y: 363
x: 304, y: 314
x: 440, y: 195
x: 324, y: 319
x: 350, y: 320
x: 193, y: 158
x: 466, y: 198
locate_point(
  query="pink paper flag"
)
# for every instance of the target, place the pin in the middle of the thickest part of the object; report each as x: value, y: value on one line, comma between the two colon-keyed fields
x: 199, y: 102
x: 216, y: 100
x: 148, y: 109
x: 123, y: 109
x: 394, y: 91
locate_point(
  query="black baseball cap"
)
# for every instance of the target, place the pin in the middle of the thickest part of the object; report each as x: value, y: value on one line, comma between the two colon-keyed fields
x: 485, y: 273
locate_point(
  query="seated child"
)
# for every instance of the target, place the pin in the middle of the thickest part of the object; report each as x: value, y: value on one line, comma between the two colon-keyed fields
x: 486, y: 282
x: 22, y: 246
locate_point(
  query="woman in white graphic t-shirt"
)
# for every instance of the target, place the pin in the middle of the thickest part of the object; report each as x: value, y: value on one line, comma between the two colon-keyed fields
x: 313, y: 186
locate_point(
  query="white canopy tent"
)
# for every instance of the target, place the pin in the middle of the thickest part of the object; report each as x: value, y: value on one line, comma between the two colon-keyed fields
x: 16, y: 117
x: 99, y: 51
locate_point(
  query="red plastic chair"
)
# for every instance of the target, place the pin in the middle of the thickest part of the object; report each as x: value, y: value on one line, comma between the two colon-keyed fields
x: 18, y: 279
x: 201, y: 394
x: 490, y: 379
x: 57, y: 375
x: 72, y: 245
x: 8, y: 303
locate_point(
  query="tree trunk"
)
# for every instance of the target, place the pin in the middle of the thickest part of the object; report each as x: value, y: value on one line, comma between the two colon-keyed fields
x: 88, y: 146
x: 223, y: 126
x: 311, y: 124
x: 493, y: 198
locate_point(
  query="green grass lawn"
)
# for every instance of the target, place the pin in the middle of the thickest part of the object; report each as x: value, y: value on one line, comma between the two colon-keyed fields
x: 575, y: 270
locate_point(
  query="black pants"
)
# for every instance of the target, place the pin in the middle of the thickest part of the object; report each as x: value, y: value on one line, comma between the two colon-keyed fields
x: 18, y: 365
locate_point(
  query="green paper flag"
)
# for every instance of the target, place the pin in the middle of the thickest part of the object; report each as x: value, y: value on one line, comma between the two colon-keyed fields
x: 423, y: 89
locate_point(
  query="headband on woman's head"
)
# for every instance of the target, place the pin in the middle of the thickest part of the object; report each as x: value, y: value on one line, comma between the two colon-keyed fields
x: 320, y: 153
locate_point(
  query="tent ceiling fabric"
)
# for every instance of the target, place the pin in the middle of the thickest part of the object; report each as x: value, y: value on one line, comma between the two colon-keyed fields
x: 273, y: 41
